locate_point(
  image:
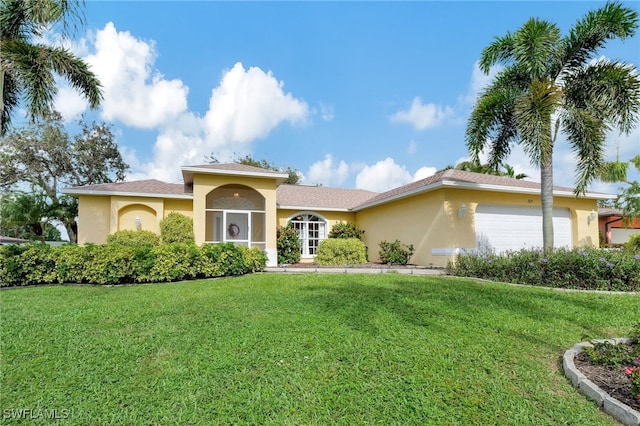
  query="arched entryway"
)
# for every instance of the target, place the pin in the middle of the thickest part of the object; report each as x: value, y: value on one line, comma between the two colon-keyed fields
x: 235, y: 213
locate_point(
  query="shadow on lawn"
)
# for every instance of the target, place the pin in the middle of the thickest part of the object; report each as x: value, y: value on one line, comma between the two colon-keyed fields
x: 451, y: 308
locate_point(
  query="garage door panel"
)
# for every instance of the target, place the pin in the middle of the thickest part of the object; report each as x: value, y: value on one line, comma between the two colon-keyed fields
x: 502, y: 227
x: 622, y: 235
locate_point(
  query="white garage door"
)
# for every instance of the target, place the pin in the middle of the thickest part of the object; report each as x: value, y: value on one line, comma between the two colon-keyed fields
x: 622, y: 235
x: 501, y: 227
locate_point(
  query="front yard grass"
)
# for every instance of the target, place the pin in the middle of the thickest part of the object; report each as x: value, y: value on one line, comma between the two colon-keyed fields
x: 301, y: 349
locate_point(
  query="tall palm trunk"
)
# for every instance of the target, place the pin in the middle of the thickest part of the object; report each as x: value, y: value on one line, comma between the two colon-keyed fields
x: 546, y: 197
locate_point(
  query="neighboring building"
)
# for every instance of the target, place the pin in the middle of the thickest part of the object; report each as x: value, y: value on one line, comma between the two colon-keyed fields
x: 614, y: 228
x: 441, y: 215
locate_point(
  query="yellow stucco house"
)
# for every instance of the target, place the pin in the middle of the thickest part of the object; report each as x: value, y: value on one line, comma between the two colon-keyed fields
x: 441, y: 215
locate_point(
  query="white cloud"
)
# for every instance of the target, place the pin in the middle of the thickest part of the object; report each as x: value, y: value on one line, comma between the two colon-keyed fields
x: 424, y: 172
x: 134, y: 93
x: 382, y: 176
x: 247, y: 105
x: 325, y: 172
x: 69, y: 103
x: 422, y: 116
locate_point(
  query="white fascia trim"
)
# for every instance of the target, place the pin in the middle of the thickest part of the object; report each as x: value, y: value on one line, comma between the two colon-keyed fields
x: 313, y: 209
x: 519, y: 190
x: 127, y: 194
x: 274, y: 175
x: 481, y: 187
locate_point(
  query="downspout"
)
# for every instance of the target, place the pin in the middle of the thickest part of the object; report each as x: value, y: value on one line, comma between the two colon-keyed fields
x: 607, y: 229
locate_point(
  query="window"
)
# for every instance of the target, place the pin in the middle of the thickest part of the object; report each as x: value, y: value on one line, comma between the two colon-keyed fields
x: 311, y: 230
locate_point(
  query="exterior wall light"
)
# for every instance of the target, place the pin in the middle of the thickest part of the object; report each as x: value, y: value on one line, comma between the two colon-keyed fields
x: 138, y: 223
x: 592, y: 216
x: 462, y: 211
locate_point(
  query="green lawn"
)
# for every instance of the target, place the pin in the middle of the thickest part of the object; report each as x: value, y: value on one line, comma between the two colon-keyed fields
x: 301, y: 349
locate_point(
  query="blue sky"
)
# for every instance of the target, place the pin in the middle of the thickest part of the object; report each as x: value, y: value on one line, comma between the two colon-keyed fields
x: 353, y: 94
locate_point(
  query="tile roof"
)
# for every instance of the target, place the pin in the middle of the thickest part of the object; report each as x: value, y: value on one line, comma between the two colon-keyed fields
x: 149, y: 186
x: 321, y: 197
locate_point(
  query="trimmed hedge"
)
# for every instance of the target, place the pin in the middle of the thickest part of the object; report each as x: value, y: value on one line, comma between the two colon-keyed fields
x: 340, y: 252
x: 581, y: 268
x: 35, y: 264
x: 134, y: 238
x: 176, y: 228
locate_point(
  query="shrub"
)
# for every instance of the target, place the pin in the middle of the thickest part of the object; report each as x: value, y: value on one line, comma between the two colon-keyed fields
x: 70, y: 263
x: 593, y: 269
x: 110, y: 264
x: 255, y: 260
x: 171, y: 262
x: 133, y: 238
x: 338, y: 251
x: 288, y: 244
x: 634, y: 243
x: 395, y: 252
x: 176, y: 228
x: 33, y: 264
x: 346, y: 230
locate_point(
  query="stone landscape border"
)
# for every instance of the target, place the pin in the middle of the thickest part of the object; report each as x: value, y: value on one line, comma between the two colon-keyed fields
x: 618, y: 410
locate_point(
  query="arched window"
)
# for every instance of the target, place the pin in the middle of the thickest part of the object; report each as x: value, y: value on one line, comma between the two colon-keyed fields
x: 311, y: 230
x: 235, y: 213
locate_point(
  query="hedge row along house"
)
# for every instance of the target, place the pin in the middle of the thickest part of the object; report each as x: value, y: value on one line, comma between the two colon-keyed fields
x: 442, y: 215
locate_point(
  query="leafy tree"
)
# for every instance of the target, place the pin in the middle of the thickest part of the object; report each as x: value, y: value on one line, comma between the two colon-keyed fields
x: 44, y: 156
x: 552, y: 84
x: 247, y: 160
x: 27, y: 67
x: 26, y: 215
x: 629, y: 197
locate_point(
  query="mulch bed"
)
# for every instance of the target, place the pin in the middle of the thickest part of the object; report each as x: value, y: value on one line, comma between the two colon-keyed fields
x: 613, y: 381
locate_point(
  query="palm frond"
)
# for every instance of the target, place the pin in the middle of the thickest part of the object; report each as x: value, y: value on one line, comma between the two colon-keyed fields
x: 498, y: 52
x: 591, y: 33
x: 534, y: 43
x: 586, y: 133
x: 533, y: 113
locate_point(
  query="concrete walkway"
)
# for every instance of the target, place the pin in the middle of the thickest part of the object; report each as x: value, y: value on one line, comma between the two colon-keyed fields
x: 356, y: 270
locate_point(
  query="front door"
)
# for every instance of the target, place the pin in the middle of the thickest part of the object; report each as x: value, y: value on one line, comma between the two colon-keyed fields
x: 236, y: 225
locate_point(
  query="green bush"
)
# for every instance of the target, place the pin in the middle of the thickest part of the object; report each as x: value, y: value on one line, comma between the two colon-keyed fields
x: 634, y: 243
x: 395, y: 252
x: 288, y: 245
x: 110, y: 264
x: 176, y: 228
x: 34, y: 264
x: 133, y: 238
x: 70, y: 263
x: 171, y: 262
x: 593, y: 269
x: 338, y: 252
x: 346, y: 230
x: 255, y: 260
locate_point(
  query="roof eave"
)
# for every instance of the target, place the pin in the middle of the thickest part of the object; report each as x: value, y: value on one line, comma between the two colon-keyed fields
x: 78, y: 192
x: 190, y: 170
x: 311, y: 208
x: 480, y: 187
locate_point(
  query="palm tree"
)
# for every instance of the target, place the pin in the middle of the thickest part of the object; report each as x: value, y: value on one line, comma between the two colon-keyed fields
x: 27, y: 68
x: 552, y: 84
